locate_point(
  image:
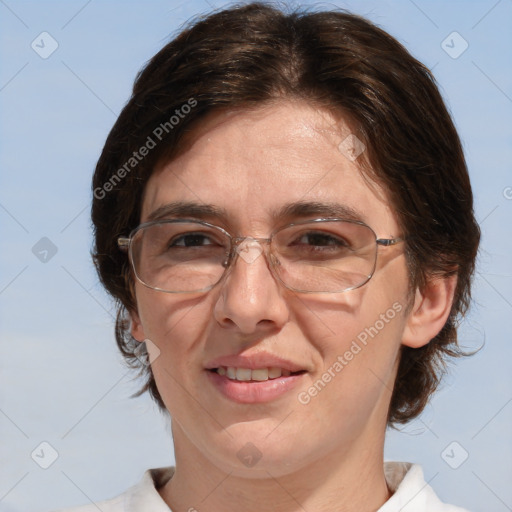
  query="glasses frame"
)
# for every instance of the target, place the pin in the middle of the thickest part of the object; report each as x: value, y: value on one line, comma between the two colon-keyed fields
x: 125, y: 245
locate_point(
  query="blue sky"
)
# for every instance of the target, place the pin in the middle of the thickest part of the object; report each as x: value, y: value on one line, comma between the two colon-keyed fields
x: 61, y: 378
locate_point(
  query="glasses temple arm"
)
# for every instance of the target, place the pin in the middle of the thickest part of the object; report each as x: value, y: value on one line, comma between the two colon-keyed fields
x: 123, y: 243
x: 386, y: 242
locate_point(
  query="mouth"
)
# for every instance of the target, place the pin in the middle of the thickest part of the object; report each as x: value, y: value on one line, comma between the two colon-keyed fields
x: 254, y: 375
x: 253, y: 385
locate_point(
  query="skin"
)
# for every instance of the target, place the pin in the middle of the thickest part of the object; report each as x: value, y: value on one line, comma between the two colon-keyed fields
x: 328, y: 454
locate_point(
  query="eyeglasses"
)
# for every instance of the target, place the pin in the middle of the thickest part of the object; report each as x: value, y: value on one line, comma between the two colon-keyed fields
x: 313, y: 256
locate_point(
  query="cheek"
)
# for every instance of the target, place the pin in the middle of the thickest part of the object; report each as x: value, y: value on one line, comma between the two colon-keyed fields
x: 357, y: 339
x: 161, y: 314
x: 375, y: 310
x: 356, y: 370
x: 356, y: 342
x: 176, y: 326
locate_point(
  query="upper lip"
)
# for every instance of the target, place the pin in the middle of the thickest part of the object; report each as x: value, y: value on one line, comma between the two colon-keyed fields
x: 254, y: 361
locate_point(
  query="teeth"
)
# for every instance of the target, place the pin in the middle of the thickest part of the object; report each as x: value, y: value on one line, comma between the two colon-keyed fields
x: 246, y: 374
x: 243, y: 374
x: 259, y: 374
x: 274, y: 372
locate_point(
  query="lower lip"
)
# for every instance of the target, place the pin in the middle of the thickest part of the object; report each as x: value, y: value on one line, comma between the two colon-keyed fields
x: 253, y: 392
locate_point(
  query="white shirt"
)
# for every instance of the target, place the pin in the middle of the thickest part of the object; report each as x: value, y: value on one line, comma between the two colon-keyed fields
x: 405, y: 480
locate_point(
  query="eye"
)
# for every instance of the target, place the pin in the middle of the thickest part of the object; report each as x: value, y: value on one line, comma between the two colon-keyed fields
x: 320, y: 239
x: 192, y: 240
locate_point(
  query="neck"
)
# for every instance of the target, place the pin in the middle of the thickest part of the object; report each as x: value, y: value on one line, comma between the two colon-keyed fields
x: 344, y: 481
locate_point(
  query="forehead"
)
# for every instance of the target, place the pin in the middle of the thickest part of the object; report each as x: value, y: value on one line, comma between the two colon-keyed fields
x: 251, y: 164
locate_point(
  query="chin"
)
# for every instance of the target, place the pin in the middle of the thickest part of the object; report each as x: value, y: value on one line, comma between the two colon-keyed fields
x: 254, y: 453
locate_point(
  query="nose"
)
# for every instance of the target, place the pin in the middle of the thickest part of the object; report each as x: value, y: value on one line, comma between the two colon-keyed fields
x: 250, y: 299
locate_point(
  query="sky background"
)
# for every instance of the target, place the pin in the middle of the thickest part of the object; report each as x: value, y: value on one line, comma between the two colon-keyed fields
x: 62, y: 381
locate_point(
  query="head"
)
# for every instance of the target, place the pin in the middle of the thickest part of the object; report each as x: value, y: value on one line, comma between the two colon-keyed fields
x: 250, y: 110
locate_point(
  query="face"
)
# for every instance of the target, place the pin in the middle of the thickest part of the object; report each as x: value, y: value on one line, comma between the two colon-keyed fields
x: 336, y: 353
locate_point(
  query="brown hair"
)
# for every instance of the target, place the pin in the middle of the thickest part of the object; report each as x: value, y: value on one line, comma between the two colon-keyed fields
x: 248, y: 55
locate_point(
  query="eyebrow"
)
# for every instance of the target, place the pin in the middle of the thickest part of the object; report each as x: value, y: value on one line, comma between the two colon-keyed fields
x: 303, y: 209
x: 291, y: 211
x: 185, y: 209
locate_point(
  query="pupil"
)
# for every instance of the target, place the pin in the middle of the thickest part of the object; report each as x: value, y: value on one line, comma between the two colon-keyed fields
x: 319, y: 239
x: 193, y: 240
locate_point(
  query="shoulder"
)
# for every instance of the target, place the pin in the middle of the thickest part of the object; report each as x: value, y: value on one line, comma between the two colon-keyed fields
x: 411, y: 492
x: 139, y: 498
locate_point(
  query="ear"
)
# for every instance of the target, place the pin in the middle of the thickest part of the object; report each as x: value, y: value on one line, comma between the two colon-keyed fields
x: 136, y: 328
x: 430, y: 311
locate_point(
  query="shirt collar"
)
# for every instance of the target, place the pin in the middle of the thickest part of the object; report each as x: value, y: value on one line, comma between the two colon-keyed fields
x: 410, y: 491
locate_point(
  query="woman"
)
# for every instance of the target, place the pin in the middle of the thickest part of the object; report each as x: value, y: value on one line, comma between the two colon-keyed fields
x: 284, y: 215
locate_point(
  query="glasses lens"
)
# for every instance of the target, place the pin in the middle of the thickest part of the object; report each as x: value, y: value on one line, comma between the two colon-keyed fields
x: 325, y: 256
x: 179, y: 256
